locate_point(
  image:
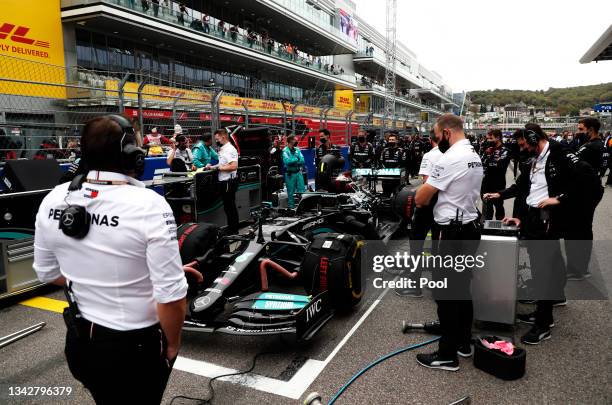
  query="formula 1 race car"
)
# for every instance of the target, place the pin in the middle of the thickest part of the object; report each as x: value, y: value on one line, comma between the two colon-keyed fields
x: 289, y: 273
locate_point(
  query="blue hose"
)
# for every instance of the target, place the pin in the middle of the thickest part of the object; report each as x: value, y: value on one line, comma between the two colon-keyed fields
x: 380, y: 360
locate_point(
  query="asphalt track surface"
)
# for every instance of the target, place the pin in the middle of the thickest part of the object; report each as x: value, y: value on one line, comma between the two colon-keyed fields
x: 573, y: 367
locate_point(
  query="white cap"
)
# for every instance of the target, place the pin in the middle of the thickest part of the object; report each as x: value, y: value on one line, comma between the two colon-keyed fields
x: 178, y: 129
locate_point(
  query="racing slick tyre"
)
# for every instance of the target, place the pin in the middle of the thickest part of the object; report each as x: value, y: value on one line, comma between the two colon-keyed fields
x: 195, y: 239
x: 333, y: 263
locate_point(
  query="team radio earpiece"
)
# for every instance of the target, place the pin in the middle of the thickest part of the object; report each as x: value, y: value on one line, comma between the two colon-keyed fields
x: 74, y: 220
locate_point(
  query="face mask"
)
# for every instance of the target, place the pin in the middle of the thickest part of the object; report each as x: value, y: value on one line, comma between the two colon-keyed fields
x: 182, y: 147
x: 219, y: 144
x: 391, y: 144
x: 323, y: 141
x: 444, y: 144
x: 361, y: 139
x: 570, y: 138
x: 490, y: 144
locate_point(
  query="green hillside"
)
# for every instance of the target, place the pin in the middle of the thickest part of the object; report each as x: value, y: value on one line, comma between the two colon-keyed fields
x: 567, y: 101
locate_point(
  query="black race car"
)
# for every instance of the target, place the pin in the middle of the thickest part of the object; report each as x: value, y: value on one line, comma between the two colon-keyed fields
x: 290, y: 272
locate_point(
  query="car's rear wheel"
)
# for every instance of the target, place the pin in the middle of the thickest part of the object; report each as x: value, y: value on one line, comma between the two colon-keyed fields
x: 333, y: 263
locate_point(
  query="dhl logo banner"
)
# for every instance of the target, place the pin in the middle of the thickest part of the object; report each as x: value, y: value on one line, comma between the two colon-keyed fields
x: 169, y: 94
x: 31, y: 38
x: 343, y: 99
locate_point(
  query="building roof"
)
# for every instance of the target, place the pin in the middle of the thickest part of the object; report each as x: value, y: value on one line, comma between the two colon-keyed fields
x: 601, y: 49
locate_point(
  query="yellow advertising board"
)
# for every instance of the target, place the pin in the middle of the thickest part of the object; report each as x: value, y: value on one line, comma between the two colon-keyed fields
x: 151, y: 92
x: 32, y: 48
x: 343, y: 99
x: 169, y: 94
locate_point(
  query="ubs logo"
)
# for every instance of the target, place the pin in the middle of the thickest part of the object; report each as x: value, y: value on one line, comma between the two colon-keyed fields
x: 19, y: 34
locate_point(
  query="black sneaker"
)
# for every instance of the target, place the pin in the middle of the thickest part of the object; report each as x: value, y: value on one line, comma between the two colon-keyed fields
x: 409, y: 292
x: 434, y: 360
x: 465, y: 351
x: 536, y: 335
x: 560, y: 303
x: 578, y: 277
x: 529, y: 319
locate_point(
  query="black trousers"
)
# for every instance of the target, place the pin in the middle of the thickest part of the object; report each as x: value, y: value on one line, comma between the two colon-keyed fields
x: 578, y: 238
x: 487, y: 209
x: 455, y: 310
x: 547, y: 265
x: 228, y: 194
x: 119, y: 367
x: 422, y: 224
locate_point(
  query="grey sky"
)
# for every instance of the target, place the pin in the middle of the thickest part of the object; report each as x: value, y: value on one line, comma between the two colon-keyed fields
x: 517, y: 44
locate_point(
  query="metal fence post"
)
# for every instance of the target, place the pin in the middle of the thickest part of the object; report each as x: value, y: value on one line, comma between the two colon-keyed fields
x: 246, y: 114
x: 176, y: 99
x: 284, y: 104
x: 293, y: 108
x: 349, y: 128
x: 121, y: 95
x: 325, y: 115
x: 215, y: 110
x: 140, y: 118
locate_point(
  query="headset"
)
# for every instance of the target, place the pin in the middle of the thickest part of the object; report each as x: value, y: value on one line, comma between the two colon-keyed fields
x: 531, y: 137
x: 74, y: 220
x: 132, y: 157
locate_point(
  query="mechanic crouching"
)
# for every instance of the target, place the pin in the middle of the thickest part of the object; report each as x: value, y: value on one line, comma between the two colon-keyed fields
x: 112, y: 244
x: 294, y: 162
x: 495, y: 160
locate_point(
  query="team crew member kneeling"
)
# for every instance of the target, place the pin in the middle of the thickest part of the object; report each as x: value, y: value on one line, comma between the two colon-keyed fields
x: 456, y: 179
x: 112, y: 244
x: 228, y: 179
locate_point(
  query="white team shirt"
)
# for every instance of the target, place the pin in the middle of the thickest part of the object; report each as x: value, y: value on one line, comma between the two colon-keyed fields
x: 538, y: 191
x: 429, y: 160
x: 458, y: 176
x: 129, y: 260
x: 227, y: 154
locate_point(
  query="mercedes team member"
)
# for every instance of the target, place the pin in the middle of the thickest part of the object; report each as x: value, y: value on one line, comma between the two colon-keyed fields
x: 495, y: 160
x: 361, y: 152
x: 579, y: 236
x: 548, y: 190
x: 423, y: 221
x: 391, y: 157
x: 294, y: 162
x: 325, y: 148
x: 228, y: 180
x: 456, y: 179
x: 124, y: 276
x: 203, y: 152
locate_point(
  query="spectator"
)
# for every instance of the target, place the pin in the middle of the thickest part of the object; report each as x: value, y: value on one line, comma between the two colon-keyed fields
x: 341, y: 70
x: 270, y: 45
x: 145, y: 5
x: 155, y: 7
x: 182, y: 13
x: 166, y: 7
x: 206, y: 22
x: 221, y: 28
x: 326, y: 68
x: 7, y: 147
x: 233, y: 33
x: 319, y: 62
